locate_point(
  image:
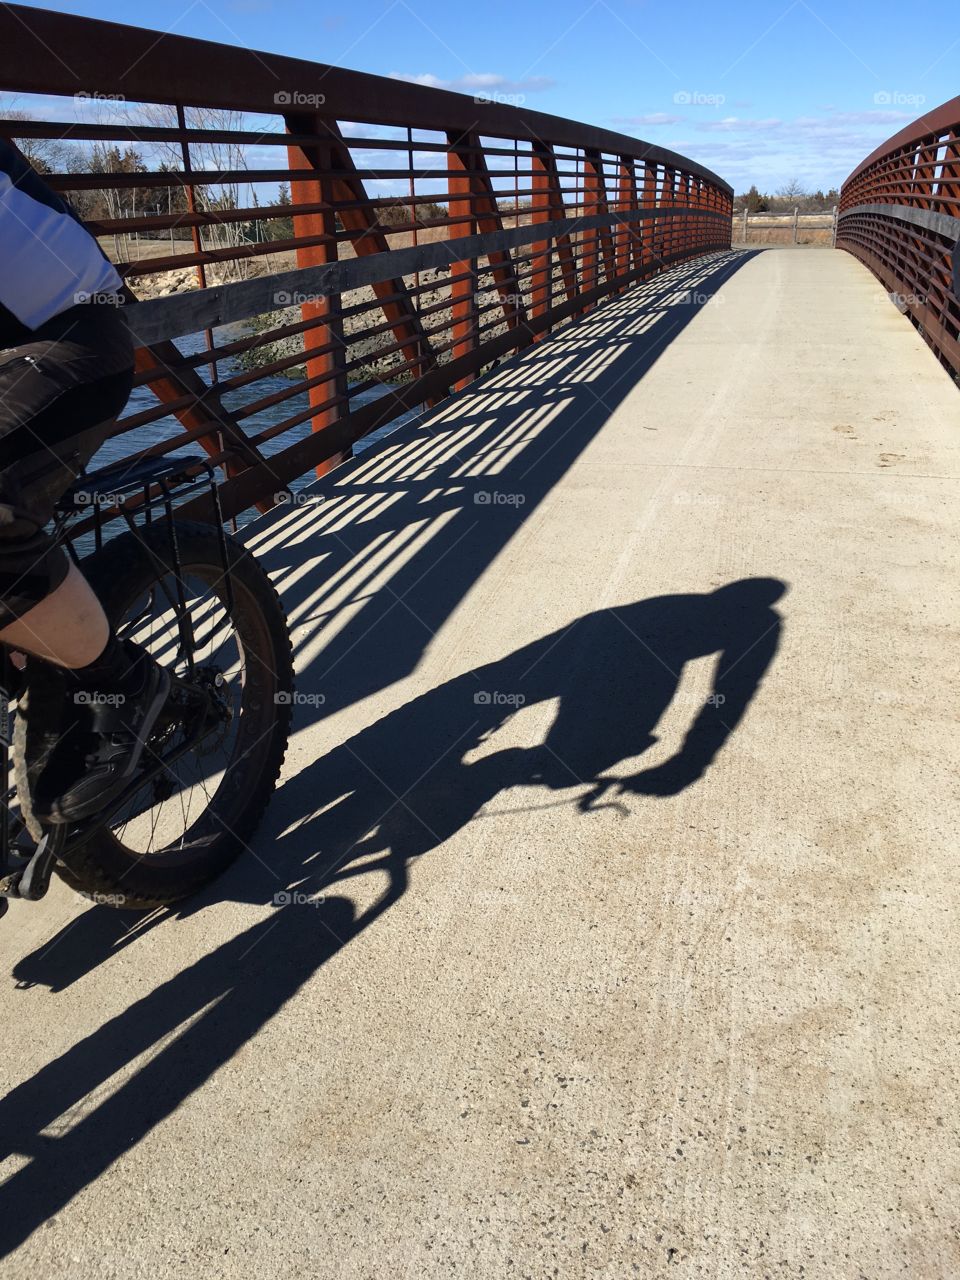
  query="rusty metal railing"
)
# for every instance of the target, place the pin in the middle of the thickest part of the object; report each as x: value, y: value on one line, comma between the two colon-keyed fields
x: 386, y: 240
x: 900, y: 215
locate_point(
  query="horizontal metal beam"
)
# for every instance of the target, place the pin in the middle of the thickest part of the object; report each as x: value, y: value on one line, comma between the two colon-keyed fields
x: 942, y: 223
x: 161, y: 318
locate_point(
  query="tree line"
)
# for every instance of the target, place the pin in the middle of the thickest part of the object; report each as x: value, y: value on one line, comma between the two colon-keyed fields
x: 51, y: 155
x: 48, y: 155
x: 792, y: 195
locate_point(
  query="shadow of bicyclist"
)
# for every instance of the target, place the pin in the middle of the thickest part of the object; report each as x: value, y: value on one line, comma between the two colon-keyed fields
x: 405, y: 785
x: 411, y: 780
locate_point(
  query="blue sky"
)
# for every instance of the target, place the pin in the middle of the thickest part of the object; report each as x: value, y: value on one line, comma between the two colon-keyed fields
x: 760, y: 90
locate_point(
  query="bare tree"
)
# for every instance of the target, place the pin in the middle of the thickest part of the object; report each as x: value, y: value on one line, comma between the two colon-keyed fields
x: 792, y: 190
x: 222, y: 156
x: 47, y: 155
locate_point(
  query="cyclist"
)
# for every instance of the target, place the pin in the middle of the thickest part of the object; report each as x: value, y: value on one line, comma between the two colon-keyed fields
x: 66, y: 368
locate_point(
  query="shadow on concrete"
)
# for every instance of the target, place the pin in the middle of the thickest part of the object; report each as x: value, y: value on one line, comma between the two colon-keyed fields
x: 405, y: 785
x: 398, y: 541
x: 399, y: 536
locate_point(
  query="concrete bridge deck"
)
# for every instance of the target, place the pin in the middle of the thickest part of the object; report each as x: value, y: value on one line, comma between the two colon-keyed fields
x: 631, y: 785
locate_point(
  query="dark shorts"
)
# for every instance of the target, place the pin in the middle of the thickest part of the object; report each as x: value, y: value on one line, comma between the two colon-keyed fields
x: 60, y: 393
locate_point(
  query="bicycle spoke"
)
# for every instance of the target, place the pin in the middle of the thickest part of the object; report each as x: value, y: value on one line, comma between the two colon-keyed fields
x: 149, y: 825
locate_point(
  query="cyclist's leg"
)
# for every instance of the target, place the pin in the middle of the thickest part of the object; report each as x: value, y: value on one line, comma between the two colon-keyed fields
x: 59, y: 394
x: 68, y: 627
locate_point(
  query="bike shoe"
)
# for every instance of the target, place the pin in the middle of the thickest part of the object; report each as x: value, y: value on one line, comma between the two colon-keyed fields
x: 98, y: 754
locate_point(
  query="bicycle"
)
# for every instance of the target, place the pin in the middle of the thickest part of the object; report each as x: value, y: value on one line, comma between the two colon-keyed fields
x: 202, y: 605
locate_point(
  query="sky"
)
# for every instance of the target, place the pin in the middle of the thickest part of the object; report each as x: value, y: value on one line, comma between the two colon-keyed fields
x: 761, y: 91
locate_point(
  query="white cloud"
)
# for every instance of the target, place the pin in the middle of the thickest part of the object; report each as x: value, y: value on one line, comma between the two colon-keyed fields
x: 819, y: 149
x: 734, y: 124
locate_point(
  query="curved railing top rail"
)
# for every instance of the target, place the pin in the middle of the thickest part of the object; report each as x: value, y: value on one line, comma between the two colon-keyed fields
x: 63, y: 53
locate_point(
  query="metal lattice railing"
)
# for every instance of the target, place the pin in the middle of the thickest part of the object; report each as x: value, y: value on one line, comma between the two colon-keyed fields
x: 900, y: 215
x: 386, y: 241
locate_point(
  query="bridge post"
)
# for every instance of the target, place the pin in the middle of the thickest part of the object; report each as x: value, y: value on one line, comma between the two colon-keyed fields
x: 629, y: 246
x: 334, y: 185
x: 650, y: 222
x: 670, y: 196
x: 548, y: 206
x: 590, y: 241
x: 679, y: 201
x: 463, y: 272
x: 921, y: 187
x: 476, y: 199
x: 542, y: 209
x: 606, y: 234
x: 316, y: 230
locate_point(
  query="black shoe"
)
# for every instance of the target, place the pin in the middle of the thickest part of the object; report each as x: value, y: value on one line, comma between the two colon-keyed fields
x: 100, y: 751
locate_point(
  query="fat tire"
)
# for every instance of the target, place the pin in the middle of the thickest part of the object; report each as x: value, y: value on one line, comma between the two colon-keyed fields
x: 101, y: 867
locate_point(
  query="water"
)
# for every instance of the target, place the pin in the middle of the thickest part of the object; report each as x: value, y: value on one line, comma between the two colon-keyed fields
x: 168, y: 427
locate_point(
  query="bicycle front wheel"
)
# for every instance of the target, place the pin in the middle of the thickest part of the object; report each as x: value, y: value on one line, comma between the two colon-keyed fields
x: 222, y: 632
